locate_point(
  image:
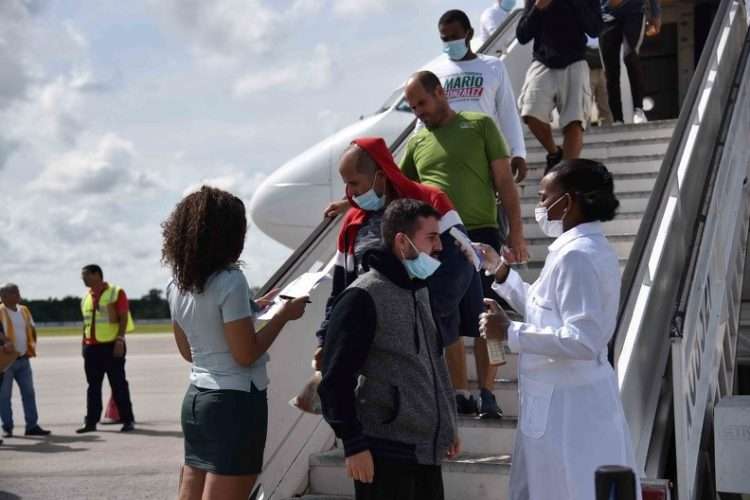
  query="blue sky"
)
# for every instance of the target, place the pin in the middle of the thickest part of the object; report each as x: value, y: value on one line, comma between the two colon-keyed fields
x: 111, y: 111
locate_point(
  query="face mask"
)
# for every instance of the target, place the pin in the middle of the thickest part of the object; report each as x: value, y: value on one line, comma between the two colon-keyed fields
x: 423, y: 266
x: 370, y: 201
x: 552, y: 228
x: 456, y: 49
x: 507, y: 5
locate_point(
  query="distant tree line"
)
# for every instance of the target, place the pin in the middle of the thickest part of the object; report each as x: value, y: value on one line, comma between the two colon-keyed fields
x: 68, y: 309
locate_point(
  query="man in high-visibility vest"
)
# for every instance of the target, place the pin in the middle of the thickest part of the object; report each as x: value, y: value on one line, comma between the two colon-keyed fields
x: 106, y: 319
x: 20, y: 333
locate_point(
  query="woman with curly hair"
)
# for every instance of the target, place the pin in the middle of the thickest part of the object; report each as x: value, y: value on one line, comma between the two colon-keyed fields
x: 225, y: 410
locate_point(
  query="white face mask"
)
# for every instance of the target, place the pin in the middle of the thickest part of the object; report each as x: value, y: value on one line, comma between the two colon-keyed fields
x: 552, y: 228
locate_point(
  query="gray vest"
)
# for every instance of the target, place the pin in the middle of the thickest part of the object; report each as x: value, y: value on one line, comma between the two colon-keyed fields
x: 404, y: 392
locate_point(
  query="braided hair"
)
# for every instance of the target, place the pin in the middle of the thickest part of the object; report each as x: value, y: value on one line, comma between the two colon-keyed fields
x: 591, y: 184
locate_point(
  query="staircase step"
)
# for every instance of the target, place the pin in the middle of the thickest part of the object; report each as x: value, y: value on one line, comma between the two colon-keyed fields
x: 609, y: 149
x: 621, y: 225
x: 538, y: 249
x: 476, y: 477
x: 629, y: 203
x: 659, y: 128
x: 618, y: 167
x: 508, y: 371
x: 506, y: 394
x: 487, y: 437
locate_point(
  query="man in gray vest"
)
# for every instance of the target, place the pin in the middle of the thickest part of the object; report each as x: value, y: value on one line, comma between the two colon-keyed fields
x: 385, y: 390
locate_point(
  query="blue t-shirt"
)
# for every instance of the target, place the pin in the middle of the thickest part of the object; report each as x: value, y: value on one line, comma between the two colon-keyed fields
x: 225, y: 298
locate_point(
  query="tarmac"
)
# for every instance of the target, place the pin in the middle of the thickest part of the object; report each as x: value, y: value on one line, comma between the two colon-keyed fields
x: 107, y: 464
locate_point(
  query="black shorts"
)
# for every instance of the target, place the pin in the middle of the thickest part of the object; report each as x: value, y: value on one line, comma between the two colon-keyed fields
x: 225, y: 430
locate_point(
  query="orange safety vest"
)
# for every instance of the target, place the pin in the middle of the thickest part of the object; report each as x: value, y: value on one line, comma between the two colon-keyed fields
x: 10, y: 329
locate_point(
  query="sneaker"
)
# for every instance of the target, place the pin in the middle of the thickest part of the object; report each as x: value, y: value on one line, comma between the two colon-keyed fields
x: 488, y: 407
x: 7, y: 433
x: 466, y: 406
x: 86, y: 428
x: 553, y: 159
x: 128, y: 427
x: 37, y: 431
x: 639, y: 116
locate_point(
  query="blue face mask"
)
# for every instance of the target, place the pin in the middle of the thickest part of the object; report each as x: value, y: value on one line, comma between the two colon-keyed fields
x: 370, y: 201
x: 456, y: 49
x: 423, y: 266
x: 507, y: 5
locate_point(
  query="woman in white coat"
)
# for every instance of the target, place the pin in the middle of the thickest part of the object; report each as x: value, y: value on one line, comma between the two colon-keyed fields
x: 571, y: 420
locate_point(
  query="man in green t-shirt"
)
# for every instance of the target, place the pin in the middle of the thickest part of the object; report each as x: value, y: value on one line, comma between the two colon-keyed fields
x: 465, y: 155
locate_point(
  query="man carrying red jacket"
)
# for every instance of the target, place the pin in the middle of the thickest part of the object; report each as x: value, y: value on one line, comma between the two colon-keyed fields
x: 373, y: 180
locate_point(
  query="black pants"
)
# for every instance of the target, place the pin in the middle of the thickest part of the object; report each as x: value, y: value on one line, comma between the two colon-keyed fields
x: 98, y: 360
x: 398, y: 481
x: 630, y: 30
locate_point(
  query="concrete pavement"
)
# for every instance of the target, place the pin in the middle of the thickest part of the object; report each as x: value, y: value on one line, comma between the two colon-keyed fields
x: 106, y: 464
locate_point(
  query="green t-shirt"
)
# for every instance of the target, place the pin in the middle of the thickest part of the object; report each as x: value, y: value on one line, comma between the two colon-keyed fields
x: 456, y: 158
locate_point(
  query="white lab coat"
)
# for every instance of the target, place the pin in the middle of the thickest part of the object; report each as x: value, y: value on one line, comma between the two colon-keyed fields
x: 571, y: 420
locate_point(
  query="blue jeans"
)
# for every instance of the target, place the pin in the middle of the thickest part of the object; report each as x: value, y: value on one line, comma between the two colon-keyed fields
x: 20, y: 371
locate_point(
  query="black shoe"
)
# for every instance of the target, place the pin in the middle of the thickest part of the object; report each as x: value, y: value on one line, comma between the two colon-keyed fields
x: 553, y: 159
x: 86, y: 428
x: 128, y: 427
x: 7, y: 433
x: 466, y: 406
x: 488, y: 407
x: 37, y: 431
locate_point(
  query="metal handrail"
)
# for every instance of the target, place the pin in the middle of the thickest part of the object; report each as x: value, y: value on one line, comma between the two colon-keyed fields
x: 668, y: 165
x: 507, y: 22
x: 651, y: 284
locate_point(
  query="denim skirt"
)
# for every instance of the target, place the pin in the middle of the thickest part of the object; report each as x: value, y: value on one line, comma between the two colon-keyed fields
x: 225, y: 430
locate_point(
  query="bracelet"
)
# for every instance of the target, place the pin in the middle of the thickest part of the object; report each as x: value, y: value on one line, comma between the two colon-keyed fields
x: 122, y: 339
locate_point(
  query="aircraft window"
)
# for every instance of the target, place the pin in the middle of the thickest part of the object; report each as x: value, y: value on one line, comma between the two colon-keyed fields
x: 403, y: 106
x: 393, y: 99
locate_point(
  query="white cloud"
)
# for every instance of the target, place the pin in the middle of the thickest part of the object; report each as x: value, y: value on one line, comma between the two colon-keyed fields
x: 109, y: 167
x: 227, y: 27
x: 313, y: 73
x: 76, y: 35
x: 236, y: 182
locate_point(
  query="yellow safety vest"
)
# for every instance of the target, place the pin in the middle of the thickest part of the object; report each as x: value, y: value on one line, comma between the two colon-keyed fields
x: 105, y: 316
x: 10, y: 329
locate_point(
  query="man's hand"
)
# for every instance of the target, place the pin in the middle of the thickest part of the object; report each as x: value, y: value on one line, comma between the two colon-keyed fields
x: 119, y: 350
x: 317, y: 361
x: 454, y: 449
x: 614, y: 3
x: 519, y: 168
x: 517, y: 247
x: 653, y: 27
x: 336, y: 208
x: 8, y: 348
x: 494, y: 323
x: 542, y: 4
x: 360, y: 467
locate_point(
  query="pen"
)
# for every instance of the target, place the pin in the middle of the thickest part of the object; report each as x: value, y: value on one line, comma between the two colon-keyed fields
x: 288, y: 297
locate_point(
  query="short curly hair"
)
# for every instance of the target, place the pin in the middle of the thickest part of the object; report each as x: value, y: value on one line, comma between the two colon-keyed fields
x: 204, y: 234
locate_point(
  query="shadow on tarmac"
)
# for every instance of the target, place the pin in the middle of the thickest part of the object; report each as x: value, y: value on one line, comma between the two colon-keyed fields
x: 4, y: 495
x: 54, y: 443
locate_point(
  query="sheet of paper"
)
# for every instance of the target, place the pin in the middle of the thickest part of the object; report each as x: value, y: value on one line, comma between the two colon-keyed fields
x: 300, y: 287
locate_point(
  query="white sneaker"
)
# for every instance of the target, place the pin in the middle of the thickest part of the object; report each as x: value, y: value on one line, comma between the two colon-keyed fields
x: 639, y: 116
